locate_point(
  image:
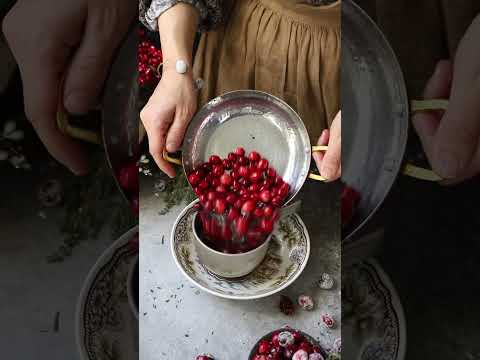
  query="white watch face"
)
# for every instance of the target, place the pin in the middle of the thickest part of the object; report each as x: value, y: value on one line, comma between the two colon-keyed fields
x: 181, y: 66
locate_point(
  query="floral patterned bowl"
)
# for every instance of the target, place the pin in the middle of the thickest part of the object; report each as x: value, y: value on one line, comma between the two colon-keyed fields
x: 286, y: 257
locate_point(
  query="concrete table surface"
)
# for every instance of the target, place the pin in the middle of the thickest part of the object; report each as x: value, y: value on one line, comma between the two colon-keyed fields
x: 179, y: 321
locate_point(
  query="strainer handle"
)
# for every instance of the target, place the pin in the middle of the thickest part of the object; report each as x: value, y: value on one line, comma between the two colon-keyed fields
x: 312, y: 175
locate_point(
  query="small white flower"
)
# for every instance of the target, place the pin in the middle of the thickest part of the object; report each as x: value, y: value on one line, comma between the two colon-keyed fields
x: 9, y: 127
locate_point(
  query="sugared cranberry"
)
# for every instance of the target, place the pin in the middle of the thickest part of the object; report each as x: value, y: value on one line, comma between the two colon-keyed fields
x: 305, y: 346
x: 248, y: 207
x: 264, y: 347
x: 240, y: 151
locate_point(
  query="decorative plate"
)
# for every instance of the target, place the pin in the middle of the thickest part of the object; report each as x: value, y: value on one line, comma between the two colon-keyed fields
x: 373, y: 322
x: 286, y: 258
x: 106, y: 325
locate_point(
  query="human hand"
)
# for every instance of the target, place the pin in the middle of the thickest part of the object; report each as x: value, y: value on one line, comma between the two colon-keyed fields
x: 70, y: 39
x: 167, y: 114
x: 329, y: 163
x: 452, y: 140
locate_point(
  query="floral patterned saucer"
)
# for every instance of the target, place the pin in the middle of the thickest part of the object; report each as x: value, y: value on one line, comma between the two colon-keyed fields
x: 106, y: 325
x: 373, y: 322
x: 286, y: 258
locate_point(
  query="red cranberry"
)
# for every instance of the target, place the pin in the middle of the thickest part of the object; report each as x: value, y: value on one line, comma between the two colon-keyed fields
x: 221, y: 189
x: 203, y: 185
x: 227, y: 164
x: 238, y: 204
x: 215, y: 182
x: 211, y: 195
x: 316, y: 349
x: 265, y: 196
x: 283, y: 191
x: 226, y: 179
x: 253, y: 196
x: 305, y: 346
x: 231, y: 198
x: 258, y: 212
x: 271, y: 173
x: 275, y: 341
x: 297, y: 336
x: 240, y: 151
x: 260, y: 357
x: 255, y: 176
x: 277, y: 201
x: 266, y: 225
x: 203, y: 198
x: 235, y: 174
x: 236, y: 166
x: 232, y: 157
x: 226, y: 233
x: 253, y: 188
x: 254, y: 156
x: 243, y: 171
x: 128, y: 178
x: 218, y: 170
x: 198, y: 191
x: 243, y: 161
x: 209, y: 205
x: 278, y: 181
x: 241, y: 225
x: 215, y: 159
x: 243, y: 192
x: 264, y: 347
x: 248, y: 207
x: 233, y: 214
x: 263, y: 164
x: 268, y: 211
x: 194, y: 178
x: 134, y: 204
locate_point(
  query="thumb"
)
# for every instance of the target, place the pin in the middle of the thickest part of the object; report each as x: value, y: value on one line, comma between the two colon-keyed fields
x: 90, y: 64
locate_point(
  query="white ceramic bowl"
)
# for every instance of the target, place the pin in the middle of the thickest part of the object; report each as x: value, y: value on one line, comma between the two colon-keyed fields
x: 229, y: 265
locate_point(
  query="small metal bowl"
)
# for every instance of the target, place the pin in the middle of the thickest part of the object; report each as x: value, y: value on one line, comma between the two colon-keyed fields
x: 309, y: 338
x: 256, y: 121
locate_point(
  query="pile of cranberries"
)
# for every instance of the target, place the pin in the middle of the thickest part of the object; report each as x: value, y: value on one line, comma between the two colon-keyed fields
x: 240, y: 197
x: 149, y: 58
x: 128, y: 180
x: 349, y: 200
x: 287, y: 344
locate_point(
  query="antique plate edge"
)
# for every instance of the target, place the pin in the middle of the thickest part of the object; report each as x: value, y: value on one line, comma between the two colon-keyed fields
x: 79, y: 311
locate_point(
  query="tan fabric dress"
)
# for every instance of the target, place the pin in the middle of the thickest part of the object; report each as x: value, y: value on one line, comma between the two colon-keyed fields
x: 283, y: 47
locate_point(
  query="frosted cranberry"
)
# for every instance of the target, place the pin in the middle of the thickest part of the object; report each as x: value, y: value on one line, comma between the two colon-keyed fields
x: 209, y: 205
x: 258, y: 212
x: 203, y: 185
x: 220, y: 206
x: 316, y: 349
x: 231, y: 198
x: 289, y: 353
x: 227, y: 164
x: 232, y: 157
x: 226, y: 179
x: 215, y: 182
x: 233, y: 214
x: 271, y: 173
x: 255, y: 176
x: 243, y: 161
x: 243, y: 171
x: 211, y: 195
x: 194, y: 178
x: 248, y: 207
x: 268, y: 211
x: 306, y: 347
x: 241, y: 225
x: 240, y: 151
x: 265, y: 196
x: 254, y: 156
x: 264, y: 347
x: 266, y: 225
x: 262, y: 164
x: 218, y: 170
x: 277, y: 201
x: 215, y: 159
x: 204, y: 357
x: 238, y: 204
x: 253, y: 188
